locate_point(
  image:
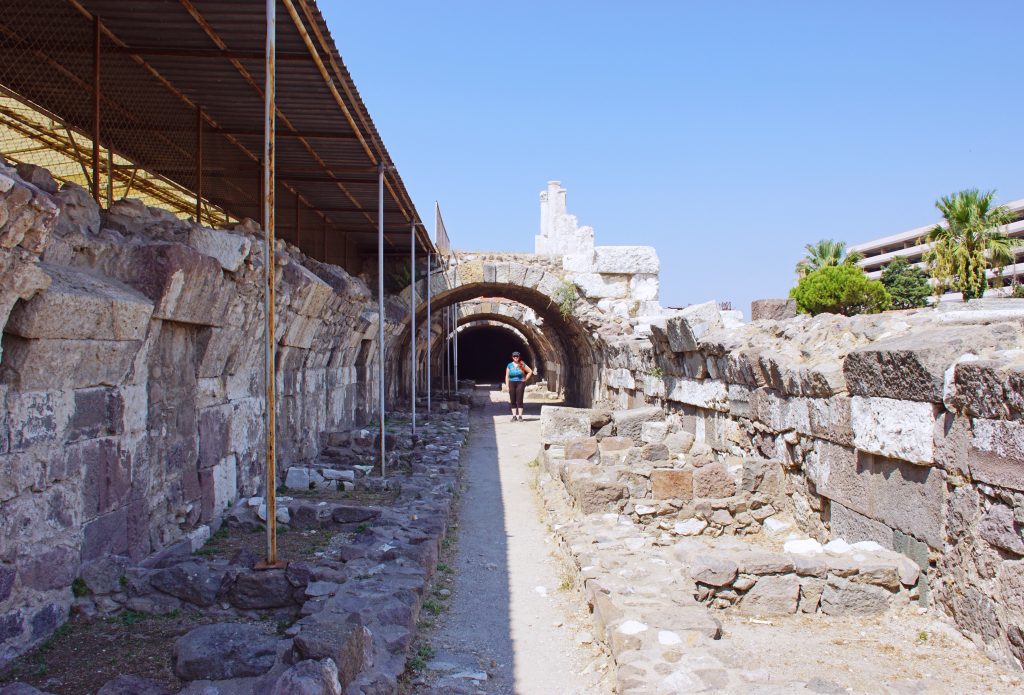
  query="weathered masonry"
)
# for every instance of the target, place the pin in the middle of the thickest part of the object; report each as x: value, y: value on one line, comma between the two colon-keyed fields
x: 903, y: 429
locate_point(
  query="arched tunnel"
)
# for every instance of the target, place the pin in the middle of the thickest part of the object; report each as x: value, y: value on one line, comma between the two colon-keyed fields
x: 485, y: 348
x: 494, y: 319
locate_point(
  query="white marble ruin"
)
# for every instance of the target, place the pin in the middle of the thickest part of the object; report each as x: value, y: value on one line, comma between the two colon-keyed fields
x: 623, y: 279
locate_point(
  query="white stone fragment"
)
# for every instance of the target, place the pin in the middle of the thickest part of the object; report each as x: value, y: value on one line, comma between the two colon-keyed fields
x: 645, y: 509
x: 837, y: 547
x: 806, y: 546
x: 332, y: 474
x: 632, y: 627
x: 690, y: 527
x: 629, y: 260
x: 229, y: 249
x: 667, y: 638
x: 868, y: 546
x: 635, y: 543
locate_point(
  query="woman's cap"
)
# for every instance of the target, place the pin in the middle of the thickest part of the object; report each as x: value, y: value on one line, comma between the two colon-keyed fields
x: 515, y: 354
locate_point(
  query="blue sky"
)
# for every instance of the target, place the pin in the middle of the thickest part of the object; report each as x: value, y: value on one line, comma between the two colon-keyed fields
x: 726, y: 134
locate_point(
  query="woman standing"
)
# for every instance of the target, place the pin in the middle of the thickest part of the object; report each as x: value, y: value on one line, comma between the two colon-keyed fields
x: 516, y: 374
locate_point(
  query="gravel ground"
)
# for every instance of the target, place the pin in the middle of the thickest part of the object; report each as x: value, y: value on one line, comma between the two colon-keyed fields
x: 512, y: 613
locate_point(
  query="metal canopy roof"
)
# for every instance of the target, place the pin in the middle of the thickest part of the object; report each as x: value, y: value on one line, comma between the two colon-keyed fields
x: 167, y: 65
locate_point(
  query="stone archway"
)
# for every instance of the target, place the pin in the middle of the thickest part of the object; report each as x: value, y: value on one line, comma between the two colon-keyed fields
x: 531, y: 286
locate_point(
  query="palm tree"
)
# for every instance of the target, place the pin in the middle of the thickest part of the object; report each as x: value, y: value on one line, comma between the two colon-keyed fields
x: 826, y: 253
x: 968, y: 243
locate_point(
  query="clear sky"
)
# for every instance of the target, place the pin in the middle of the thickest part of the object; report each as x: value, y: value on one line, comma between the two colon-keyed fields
x: 726, y: 134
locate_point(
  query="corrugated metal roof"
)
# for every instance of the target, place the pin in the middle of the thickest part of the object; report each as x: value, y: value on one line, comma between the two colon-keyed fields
x: 164, y: 59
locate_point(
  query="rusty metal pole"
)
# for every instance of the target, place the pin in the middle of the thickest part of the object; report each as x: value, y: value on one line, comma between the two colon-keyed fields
x: 298, y: 230
x: 380, y: 308
x: 110, y: 178
x: 430, y: 335
x: 96, y: 38
x: 412, y: 311
x: 199, y: 166
x: 269, y: 111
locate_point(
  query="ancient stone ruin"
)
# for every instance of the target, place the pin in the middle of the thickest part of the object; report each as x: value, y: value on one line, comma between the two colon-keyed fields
x: 823, y: 466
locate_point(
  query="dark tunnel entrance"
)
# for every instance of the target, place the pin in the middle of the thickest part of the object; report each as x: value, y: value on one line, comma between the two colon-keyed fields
x: 485, y: 350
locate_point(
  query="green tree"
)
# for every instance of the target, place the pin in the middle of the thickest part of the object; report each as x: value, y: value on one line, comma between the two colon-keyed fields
x: 907, y: 284
x: 824, y: 254
x: 842, y: 289
x: 968, y: 243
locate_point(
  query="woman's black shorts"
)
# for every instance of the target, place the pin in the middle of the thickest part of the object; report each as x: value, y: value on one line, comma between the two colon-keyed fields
x: 516, y: 389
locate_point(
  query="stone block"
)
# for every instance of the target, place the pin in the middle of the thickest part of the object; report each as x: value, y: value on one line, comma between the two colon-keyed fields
x: 99, y: 412
x: 895, y: 428
x: 772, y: 309
x: 47, y: 569
x: 105, y: 535
x: 685, y: 329
x: 903, y: 496
x: 912, y: 367
x: 223, y: 650
x: 560, y: 425
x: 106, y: 473
x: 346, y: 642
x: 852, y: 526
x: 842, y: 597
x: 999, y: 529
x: 654, y: 432
x: 679, y: 442
x: 309, y: 676
x: 82, y: 305
x: 582, y: 262
x: 582, y: 449
x: 629, y: 422
x: 996, y: 454
x: 668, y: 483
x: 830, y: 418
x: 228, y: 248
x: 644, y: 287
x: 713, y: 481
x: 185, y: 285
x: 597, y: 286
x: 50, y: 365
x: 709, y: 394
x: 220, y: 487
x: 620, y: 379
x: 773, y: 594
x: 713, y: 570
x: 991, y: 388
x: 629, y: 260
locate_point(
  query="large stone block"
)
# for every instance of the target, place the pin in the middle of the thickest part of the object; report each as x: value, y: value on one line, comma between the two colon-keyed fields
x: 896, y: 429
x: 81, y: 304
x: 772, y: 595
x: 220, y: 487
x: 559, y: 425
x: 185, y: 285
x: 644, y: 287
x: 106, y: 474
x: 713, y: 481
x: 996, y: 455
x: 990, y: 388
x: 106, y: 535
x: 596, y: 286
x: 685, y: 329
x: 628, y: 260
x: 629, y: 422
x: 709, y: 394
x: 901, y: 495
x: 53, y: 364
x: 772, y: 309
x: 228, y: 248
x: 38, y: 417
x: 854, y: 527
x: 224, y: 650
x: 668, y: 483
x: 912, y: 367
x: 99, y: 412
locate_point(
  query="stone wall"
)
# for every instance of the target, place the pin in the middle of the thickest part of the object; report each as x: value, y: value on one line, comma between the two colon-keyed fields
x: 903, y: 428
x: 131, y: 382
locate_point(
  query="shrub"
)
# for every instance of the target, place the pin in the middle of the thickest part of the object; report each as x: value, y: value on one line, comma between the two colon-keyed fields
x: 566, y: 296
x: 1018, y: 292
x: 907, y: 284
x: 843, y: 289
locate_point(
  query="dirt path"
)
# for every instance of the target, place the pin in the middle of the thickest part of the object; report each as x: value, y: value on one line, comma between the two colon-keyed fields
x: 510, y: 616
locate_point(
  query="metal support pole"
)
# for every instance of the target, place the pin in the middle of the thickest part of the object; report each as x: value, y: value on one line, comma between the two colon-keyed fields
x: 429, y: 327
x: 269, y: 110
x: 298, y: 228
x: 456, y: 349
x: 96, y: 38
x: 412, y: 312
x: 110, y: 178
x: 199, y: 166
x: 380, y: 308
x: 446, y: 322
